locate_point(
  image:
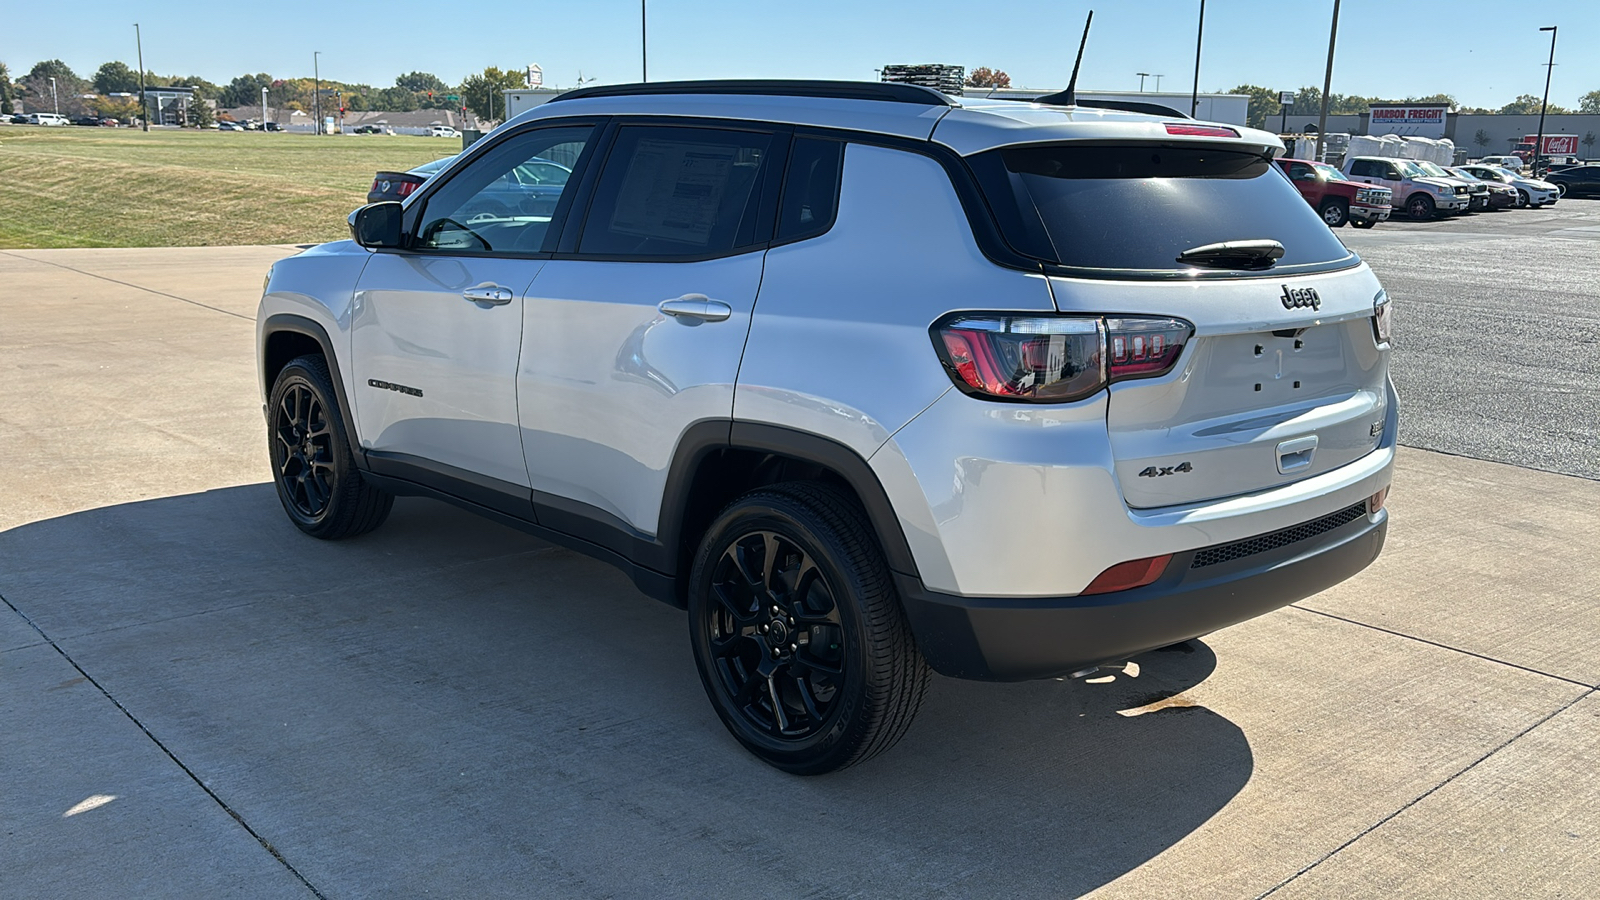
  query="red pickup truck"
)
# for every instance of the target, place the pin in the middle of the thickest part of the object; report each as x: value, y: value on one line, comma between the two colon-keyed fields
x: 1336, y: 198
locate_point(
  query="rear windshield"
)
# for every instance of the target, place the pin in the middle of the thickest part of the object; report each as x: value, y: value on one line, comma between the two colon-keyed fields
x: 1136, y: 207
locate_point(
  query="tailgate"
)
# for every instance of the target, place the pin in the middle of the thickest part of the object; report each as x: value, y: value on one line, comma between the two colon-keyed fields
x: 1266, y: 393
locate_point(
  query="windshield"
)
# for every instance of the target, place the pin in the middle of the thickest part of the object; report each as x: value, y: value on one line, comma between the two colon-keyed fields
x: 1463, y: 174
x: 1433, y: 169
x: 1136, y: 207
x: 1330, y: 173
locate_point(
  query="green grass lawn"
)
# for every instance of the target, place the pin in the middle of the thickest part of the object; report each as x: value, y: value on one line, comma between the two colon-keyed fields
x: 105, y: 187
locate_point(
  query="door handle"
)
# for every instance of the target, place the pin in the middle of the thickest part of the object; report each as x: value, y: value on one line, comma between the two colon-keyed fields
x: 696, y: 307
x: 488, y: 292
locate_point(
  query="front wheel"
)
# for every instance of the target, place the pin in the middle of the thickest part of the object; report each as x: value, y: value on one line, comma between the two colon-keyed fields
x: 1334, y: 213
x: 318, y: 482
x: 1420, y: 207
x: 801, y: 643
x: 1522, y: 199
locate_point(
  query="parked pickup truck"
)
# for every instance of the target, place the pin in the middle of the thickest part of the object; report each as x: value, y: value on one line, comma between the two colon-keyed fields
x: 1336, y: 198
x: 1421, y: 195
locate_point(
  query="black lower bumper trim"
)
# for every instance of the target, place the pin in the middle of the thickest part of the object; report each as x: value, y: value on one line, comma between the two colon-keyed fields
x: 1015, y: 639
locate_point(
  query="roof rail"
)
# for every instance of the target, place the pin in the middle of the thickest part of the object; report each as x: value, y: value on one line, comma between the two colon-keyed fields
x: 1062, y: 98
x: 838, y: 90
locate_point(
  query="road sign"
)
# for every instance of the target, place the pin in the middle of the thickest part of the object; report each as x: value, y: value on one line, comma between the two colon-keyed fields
x: 535, y: 75
x: 1286, y: 98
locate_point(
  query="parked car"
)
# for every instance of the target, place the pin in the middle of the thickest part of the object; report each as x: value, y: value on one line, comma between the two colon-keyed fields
x: 1497, y: 196
x: 89, y: 121
x: 226, y: 125
x: 367, y: 129
x: 271, y: 126
x: 443, y: 131
x: 1336, y: 198
x: 1026, y: 391
x: 399, y: 185
x: 1530, y: 191
x: 1509, y: 163
x: 1578, y: 181
x: 45, y: 119
x: 18, y: 119
x: 1420, y: 194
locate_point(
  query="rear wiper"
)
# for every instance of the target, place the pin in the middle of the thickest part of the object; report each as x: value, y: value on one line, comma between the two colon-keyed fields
x: 1234, y: 255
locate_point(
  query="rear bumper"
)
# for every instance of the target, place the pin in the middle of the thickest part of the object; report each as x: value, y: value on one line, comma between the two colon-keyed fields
x: 1015, y: 639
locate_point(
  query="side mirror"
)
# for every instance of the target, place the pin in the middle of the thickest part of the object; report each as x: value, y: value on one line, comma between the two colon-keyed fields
x: 377, y: 225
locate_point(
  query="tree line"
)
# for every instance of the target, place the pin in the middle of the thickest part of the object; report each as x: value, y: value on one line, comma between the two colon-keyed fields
x: 76, y: 95
x: 1264, y: 105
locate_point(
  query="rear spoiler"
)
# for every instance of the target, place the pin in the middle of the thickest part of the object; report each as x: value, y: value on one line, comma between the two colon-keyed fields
x: 1061, y: 98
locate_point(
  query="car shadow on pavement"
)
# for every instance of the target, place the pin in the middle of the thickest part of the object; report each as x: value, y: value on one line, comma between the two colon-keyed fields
x: 447, y: 705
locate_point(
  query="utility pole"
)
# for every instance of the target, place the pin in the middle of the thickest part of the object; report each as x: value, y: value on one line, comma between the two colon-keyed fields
x: 1327, y: 83
x: 644, y: 45
x: 144, y: 106
x: 1142, y: 77
x: 263, y: 109
x: 54, y: 100
x: 1199, y: 34
x: 316, y: 96
x: 1549, y: 69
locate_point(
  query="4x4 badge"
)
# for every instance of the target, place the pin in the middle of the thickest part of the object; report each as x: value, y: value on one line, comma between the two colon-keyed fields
x: 1300, y: 298
x: 1158, y: 471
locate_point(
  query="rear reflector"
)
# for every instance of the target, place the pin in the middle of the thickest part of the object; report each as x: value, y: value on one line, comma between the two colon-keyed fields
x: 1200, y: 130
x: 1132, y: 574
x: 1377, y: 500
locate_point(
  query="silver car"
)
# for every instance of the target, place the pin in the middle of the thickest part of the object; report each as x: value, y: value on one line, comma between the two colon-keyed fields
x: 871, y: 381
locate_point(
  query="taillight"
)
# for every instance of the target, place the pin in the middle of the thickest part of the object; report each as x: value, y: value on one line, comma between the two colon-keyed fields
x: 1382, y: 318
x: 1201, y: 130
x: 374, y: 187
x: 405, y: 188
x: 1055, y: 359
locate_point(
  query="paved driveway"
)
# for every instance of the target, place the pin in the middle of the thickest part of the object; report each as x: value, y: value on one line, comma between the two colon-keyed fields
x: 197, y: 701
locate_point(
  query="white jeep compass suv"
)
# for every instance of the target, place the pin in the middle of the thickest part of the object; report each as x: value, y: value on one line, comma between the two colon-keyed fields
x: 868, y: 379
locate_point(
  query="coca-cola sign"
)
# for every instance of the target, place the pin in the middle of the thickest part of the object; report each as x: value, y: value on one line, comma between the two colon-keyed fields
x: 1418, y: 121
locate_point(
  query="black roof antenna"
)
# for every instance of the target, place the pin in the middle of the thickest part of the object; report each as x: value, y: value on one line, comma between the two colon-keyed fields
x: 1069, y: 97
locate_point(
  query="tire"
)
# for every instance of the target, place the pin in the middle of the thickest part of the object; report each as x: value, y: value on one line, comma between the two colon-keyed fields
x: 1419, y: 206
x: 1561, y: 189
x: 833, y: 677
x: 316, y: 477
x: 1523, y: 200
x: 1334, y: 213
x: 1363, y: 223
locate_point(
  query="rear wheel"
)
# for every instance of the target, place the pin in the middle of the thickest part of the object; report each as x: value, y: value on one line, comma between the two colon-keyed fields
x: 317, y: 480
x: 801, y: 643
x: 1419, y: 206
x: 1561, y: 190
x: 1335, y: 213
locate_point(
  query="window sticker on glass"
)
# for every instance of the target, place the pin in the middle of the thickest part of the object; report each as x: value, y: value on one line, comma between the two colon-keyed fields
x: 673, y: 191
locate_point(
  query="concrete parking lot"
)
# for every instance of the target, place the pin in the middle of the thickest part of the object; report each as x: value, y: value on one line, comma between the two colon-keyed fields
x: 198, y: 701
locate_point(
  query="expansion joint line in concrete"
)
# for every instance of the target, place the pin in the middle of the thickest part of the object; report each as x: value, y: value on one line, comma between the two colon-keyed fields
x: 1426, y: 794
x: 1412, y: 637
x: 265, y: 844
x: 137, y: 287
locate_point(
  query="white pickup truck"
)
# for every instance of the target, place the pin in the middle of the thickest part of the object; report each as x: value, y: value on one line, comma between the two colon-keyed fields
x: 1421, y: 195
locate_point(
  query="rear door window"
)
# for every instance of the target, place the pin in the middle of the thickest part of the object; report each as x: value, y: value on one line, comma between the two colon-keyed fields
x: 1132, y: 208
x: 678, y: 192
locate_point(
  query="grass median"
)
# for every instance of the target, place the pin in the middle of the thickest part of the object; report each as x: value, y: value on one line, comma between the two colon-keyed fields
x: 105, y: 187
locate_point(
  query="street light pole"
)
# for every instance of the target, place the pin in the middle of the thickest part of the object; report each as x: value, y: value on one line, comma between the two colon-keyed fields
x: 1538, y: 147
x: 144, y: 106
x: 644, y: 45
x: 1142, y: 77
x: 263, y: 109
x: 1158, y: 76
x: 1199, y: 34
x: 1327, y: 84
x: 316, y: 96
x: 54, y: 100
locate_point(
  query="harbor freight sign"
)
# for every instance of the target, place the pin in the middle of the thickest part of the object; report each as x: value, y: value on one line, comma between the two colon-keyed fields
x: 1417, y: 121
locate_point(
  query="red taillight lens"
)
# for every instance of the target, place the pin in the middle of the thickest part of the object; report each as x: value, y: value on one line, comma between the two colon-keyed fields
x: 406, y: 187
x: 1055, y: 359
x: 1376, y: 501
x: 1200, y: 130
x: 1132, y: 574
x: 375, y: 187
x: 1140, y: 348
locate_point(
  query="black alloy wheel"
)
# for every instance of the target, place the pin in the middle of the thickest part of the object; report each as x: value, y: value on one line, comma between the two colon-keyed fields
x: 312, y: 467
x: 798, y: 634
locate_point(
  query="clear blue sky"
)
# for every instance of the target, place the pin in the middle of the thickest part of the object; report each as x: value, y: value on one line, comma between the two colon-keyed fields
x: 1485, y: 53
